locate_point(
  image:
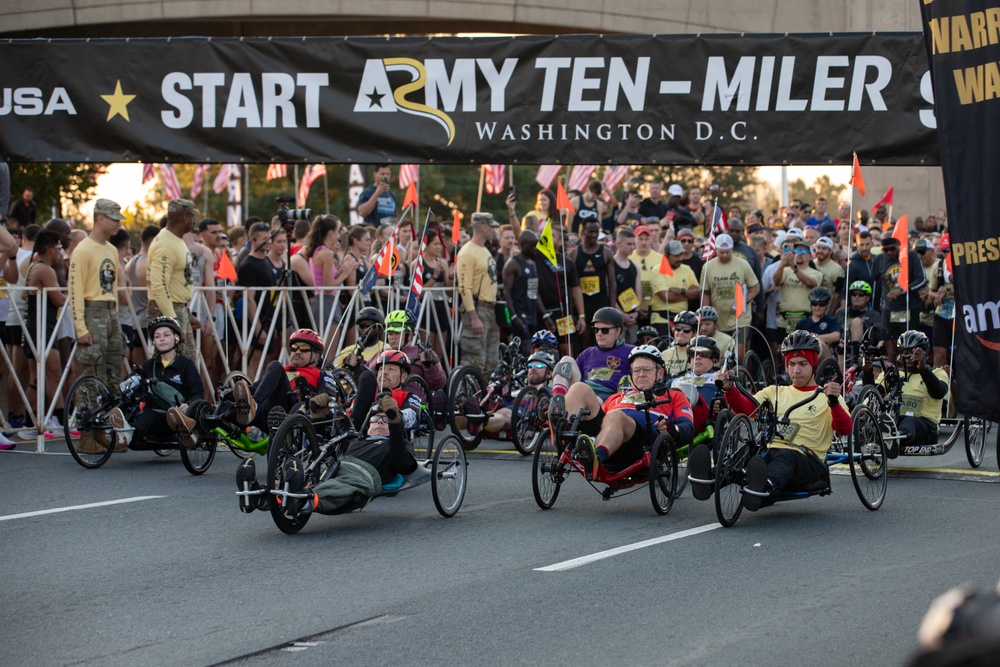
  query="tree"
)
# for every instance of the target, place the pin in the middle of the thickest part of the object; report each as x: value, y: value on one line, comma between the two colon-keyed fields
x: 821, y: 187
x: 57, y: 186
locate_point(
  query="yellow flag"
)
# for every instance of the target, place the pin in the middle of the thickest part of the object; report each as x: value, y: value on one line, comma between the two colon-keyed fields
x: 545, y: 245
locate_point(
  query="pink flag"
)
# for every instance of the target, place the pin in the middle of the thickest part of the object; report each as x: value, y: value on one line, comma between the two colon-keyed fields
x: 276, y: 171
x: 719, y: 225
x: 198, y: 181
x: 546, y: 174
x: 170, y: 185
x: 408, y: 173
x: 613, y: 176
x: 148, y: 171
x: 494, y: 178
x: 221, y: 181
x: 580, y: 176
x: 312, y: 172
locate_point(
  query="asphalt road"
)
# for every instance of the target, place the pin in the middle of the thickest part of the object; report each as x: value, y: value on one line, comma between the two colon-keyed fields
x: 183, y: 578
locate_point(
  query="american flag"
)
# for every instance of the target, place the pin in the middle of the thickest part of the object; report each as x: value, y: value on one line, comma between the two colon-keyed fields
x: 417, y: 287
x: 277, y: 171
x: 408, y: 173
x: 312, y: 172
x: 170, y: 185
x: 614, y: 175
x: 546, y: 174
x: 580, y: 176
x: 198, y: 181
x: 371, y: 276
x: 494, y: 178
x: 719, y: 225
x: 148, y: 171
x: 221, y: 181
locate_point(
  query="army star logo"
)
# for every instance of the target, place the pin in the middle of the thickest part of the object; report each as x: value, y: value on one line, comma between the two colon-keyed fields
x: 118, y: 103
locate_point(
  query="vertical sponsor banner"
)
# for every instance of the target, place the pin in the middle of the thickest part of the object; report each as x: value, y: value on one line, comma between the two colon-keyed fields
x: 234, y: 209
x: 964, y: 57
x: 355, y: 186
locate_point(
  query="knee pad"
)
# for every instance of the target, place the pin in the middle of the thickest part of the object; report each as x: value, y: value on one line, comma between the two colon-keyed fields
x: 567, y: 368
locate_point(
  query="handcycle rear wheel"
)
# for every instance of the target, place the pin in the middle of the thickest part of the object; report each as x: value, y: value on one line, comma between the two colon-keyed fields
x: 523, y: 421
x: 466, y: 387
x: 422, y: 436
x: 294, y: 439
x: 449, y: 475
x: 976, y: 432
x: 663, y: 474
x: 730, y: 469
x: 547, y: 473
x: 867, y: 458
x: 164, y: 452
x: 755, y: 371
x: 87, y: 406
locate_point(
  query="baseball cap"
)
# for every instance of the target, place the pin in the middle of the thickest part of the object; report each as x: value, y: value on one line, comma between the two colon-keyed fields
x: 108, y: 208
x: 675, y: 248
x: 675, y: 190
x: 175, y: 206
x: 724, y: 242
x: 486, y: 218
x: 825, y: 241
x: 685, y: 231
x: 642, y: 229
x: 923, y: 244
x: 828, y: 227
x: 945, y: 243
x: 755, y: 228
x: 794, y: 233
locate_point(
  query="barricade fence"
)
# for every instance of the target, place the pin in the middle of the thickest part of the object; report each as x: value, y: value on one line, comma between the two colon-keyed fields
x: 230, y: 337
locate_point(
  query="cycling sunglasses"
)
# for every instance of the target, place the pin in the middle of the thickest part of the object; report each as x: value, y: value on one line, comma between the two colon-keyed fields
x: 604, y: 330
x: 538, y: 365
x: 300, y: 347
x: 379, y: 419
x: 683, y: 329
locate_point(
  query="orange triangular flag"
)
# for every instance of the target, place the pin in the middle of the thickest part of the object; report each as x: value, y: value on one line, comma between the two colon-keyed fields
x: 902, y: 234
x: 856, y: 179
x: 949, y: 264
x: 456, y: 227
x: 665, y: 267
x: 562, y: 199
x: 226, y: 269
x: 410, y: 198
x: 390, y: 258
x: 741, y: 300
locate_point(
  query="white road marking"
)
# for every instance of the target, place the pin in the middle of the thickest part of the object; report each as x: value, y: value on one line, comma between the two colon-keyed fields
x: 56, y: 510
x: 601, y: 555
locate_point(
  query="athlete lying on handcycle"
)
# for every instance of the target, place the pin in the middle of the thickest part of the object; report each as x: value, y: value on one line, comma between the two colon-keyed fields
x: 703, y: 357
x: 796, y: 456
x: 614, y: 431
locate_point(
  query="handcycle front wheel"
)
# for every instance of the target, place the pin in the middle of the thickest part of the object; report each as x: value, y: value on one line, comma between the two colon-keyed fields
x: 87, y: 406
x: 466, y: 391
x: 449, y: 476
x: 523, y: 421
x: 663, y: 474
x: 547, y: 472
x: 730, y: 469
x: 294, y: 440
x: 422, y: 436
x: 977, y: 430
x: 198, y: 459
x: 867, y: 458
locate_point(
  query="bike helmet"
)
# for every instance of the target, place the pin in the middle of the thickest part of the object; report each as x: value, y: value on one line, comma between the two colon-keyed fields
x: 860, y: 286
x: 647, y: 351
x: 393, y: 357
x: 911, y: 339
x: 647, y: 331
x: 800, y: 340
x: 608, y: 315
x: 820, y: 295
x: 702, y: 343
x: 708, y: 314
x: 309, y: 337
x: 688, y: 318
x: 372, y: 315
x: 398, y: 321
x: 543, y: 357
x: 544, y: 337
x: 164, y: 321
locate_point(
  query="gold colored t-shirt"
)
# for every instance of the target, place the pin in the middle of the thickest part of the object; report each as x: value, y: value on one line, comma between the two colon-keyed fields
x: 676, y: 360
x: 169, y: 272
x: 721, y: 281
x: 93, y: 276
x: 916, y: 401
x: 832, y: 272
x: 476, y: 275
x: 811, y: 424
x: 794, y: 294
x: 683, y: 278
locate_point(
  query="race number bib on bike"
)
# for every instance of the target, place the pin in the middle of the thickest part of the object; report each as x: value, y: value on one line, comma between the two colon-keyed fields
x: 897, y: 316
x: 564, y: 325
x: 911, y: 406
x: 787, y: 432
x: 628, y: 301
x: 590, y: 285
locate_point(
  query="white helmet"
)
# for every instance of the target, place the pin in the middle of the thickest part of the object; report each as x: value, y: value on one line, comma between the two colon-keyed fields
x: 648, y: 351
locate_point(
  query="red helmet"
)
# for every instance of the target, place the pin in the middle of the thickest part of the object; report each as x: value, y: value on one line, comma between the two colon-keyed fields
x: 309, y: 337
x: 393, y: 357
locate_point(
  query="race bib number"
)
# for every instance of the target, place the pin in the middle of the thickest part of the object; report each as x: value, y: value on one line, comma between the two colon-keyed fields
x: 564, y: 326
x: 628, y: 301
x: 947, y: 310
x: 600, y: 374
x: 787, y: 432
x: 724, y: 292
x: 911, y: 406
x: 897, y: 317
x: 647, y: 291
x: 590, y: 285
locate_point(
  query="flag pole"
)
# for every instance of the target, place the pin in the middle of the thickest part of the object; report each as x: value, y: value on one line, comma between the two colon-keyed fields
x: 482, y: 180
x: 296, y: 186
x: 569, y: 333
x: 326, y: 192
x: 847, y: 282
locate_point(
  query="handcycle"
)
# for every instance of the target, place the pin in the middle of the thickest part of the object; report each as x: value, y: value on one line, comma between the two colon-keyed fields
x: 529, y: 417
x: 746, y: 437
x: 90, y: 436
x: 319, y: 458
x: 555, y: 460
x: 471, y: 400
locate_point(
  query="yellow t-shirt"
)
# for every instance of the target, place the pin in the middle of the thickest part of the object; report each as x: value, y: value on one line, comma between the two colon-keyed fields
x: 723, y: 340
x: 721, y: 281
x: 683, y: 278
x: 794, y: 294
x: 93, y: 276
x: 169, y: 271
x: 676, y: 360
x: 367, y: 354
x: 832, y: 272
x: 811, y: 425
x: 916, y: 401
x: 476, y: 275
x: 649, y: 268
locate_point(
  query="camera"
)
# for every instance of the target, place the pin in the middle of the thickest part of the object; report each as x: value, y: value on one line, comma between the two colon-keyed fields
x: 287, y: 216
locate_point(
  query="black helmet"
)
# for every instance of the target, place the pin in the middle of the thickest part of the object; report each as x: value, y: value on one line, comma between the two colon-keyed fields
x: 688, y: 318
x: 708, y: 314
x: 372, y: 314
x: 911, y: 339
x: 164, y: 321
x: 820, y: 295
x: 800, y: 340
x: 608, y: 315
x: 704, y: 343
x: 647, y: 331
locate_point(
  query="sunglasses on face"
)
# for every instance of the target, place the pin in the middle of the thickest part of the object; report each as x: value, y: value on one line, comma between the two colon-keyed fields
x: 300, y: 347
x: 687, y: 241
x: 604, y: 330
x: 820, y: 304
x: 858, y: 294
x: 703, y: 355
x: 683, y: 329
x: 537, y: 365
x: 379, y: 419
x: 801, y: 251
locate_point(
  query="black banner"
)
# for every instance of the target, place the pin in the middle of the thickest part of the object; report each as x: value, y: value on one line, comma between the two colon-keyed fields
x: 730, y: 100
x: 963, y: 43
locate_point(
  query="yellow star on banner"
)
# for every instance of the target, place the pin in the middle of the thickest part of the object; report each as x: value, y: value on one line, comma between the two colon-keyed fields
x: 118, y: 103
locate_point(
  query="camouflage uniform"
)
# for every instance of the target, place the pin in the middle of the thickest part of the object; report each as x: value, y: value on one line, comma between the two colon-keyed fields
x: 104, y: 357
x: 481, y: 350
